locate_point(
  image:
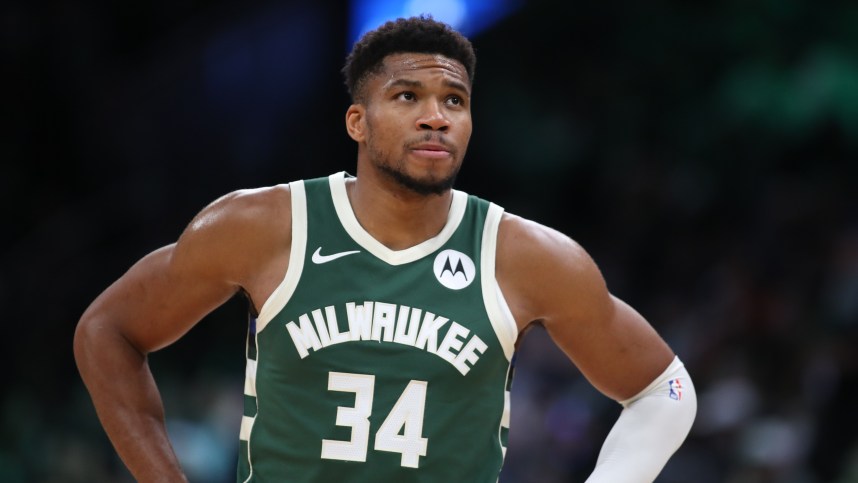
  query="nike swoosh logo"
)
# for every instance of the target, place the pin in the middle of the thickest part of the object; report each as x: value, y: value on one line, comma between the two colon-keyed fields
x: 319, y: 259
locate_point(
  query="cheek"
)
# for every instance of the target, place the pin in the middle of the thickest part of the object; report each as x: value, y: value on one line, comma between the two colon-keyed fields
x: 381, y: 139
x: 385, y: 130
x: 466, y: 130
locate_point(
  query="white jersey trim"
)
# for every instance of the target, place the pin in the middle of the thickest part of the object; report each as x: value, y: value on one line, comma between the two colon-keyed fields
x: 370, y: 244
x: 496, y: 307
x: 250, y: 378
x: 286, y: 289
x: 246, y: 426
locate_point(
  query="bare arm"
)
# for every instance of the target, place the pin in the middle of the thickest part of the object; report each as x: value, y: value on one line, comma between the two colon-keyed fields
x: 158, y: 300
x: 549, y: 279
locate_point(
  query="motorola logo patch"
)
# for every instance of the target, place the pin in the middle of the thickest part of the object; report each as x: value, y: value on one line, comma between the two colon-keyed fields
x: 454, y: 269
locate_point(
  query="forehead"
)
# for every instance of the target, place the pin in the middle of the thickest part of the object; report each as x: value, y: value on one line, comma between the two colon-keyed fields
x: 405, y: 65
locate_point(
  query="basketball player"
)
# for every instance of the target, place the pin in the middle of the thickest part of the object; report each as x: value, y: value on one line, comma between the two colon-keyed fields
x: 386, y: 306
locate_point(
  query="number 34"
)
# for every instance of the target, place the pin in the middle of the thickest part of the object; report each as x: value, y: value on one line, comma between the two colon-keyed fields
x: 401, y: 431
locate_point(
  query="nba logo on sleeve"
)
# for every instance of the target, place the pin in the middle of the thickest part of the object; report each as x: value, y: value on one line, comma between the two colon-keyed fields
x: 675, y: 386
x: 454, y: 269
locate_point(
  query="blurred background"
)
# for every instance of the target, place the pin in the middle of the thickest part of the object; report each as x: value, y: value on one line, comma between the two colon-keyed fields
x: 704, y: 153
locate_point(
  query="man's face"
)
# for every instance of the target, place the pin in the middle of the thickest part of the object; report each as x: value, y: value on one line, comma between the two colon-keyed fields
x: 417, y: 120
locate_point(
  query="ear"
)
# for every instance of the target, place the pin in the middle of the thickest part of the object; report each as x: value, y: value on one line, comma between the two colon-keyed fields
x: 356, y: 122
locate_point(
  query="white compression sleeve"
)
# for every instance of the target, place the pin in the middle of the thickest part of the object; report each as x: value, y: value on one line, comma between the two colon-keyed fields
x: 650, y: 429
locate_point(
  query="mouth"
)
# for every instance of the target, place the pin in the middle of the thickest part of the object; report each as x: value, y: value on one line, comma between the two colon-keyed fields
x: 431, y: 150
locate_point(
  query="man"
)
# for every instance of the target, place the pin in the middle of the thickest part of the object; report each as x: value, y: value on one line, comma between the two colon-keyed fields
x: 387, y: 305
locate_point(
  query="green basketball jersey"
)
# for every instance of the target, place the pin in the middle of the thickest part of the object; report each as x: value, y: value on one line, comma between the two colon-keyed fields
x: 374, y: 365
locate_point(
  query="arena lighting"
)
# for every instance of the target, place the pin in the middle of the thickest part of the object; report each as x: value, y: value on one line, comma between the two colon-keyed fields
x: 467, y: 16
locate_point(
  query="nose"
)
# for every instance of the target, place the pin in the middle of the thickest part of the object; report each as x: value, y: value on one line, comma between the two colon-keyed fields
x: 433, y: 118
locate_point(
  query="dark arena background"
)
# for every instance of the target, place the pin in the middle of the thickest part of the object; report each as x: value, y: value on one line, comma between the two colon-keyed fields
x: 705, y: 153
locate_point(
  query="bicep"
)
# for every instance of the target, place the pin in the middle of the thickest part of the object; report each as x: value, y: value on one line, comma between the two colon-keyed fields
x: 231, y: 245
x: 615, y: 348
x: 550, y: 279
x: 160, y: 298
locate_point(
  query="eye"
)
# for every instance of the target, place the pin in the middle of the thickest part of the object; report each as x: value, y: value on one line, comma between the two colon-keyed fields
x: 406, y: 96
x: 455, y: 100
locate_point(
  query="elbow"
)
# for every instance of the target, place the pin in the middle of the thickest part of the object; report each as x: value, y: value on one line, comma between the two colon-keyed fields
x: 85, y: 342
x: 98, y: 344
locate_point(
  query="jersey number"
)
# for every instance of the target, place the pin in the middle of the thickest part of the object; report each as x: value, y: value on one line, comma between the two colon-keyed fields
x: 401, y: 431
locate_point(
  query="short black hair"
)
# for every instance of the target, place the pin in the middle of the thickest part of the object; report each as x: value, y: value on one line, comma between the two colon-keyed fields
x: 422, y: 34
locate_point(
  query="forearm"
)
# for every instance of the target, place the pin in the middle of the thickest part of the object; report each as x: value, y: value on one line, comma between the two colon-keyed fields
x: 127, y: 402
x: 650, y: 429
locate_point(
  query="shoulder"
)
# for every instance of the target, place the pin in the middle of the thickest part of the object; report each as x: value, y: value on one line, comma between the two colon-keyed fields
x: 525, y: 243
x: 245, y: 207
x: 238, y: 231
x: 542, y: 271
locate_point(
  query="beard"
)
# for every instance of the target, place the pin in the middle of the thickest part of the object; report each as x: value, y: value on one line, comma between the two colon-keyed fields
x: 421, y: 186
x: 397, y: 170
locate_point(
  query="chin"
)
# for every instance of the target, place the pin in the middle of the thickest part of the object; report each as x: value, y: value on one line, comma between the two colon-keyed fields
x: 429, y: 184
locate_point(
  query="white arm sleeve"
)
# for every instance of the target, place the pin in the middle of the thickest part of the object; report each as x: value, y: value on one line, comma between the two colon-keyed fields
x: 650, y: 429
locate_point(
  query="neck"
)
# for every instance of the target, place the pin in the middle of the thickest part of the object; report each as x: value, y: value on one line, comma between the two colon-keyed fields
x: 394, y: 215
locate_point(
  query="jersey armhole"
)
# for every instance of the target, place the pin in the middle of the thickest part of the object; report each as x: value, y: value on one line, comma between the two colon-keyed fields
x: 284, y: 291
x: 497, y: 308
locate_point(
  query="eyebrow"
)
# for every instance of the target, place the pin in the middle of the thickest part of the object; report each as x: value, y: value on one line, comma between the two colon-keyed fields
x: 417, y: 84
